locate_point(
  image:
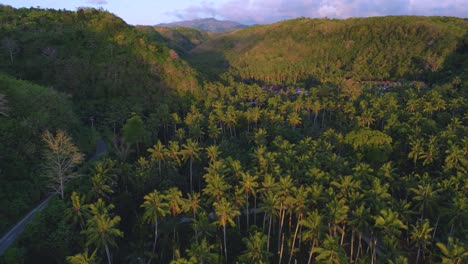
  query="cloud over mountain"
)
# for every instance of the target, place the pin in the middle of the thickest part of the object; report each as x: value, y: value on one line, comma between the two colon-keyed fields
x: 267, y: 11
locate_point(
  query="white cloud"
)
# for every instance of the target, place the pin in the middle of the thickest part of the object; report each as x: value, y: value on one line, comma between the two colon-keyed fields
x: 97, y: 2
x: 267, y: 11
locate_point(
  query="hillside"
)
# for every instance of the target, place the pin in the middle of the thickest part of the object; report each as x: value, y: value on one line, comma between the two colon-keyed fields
x: 89, y: 54
x: 303, y: 141
x: 180, y: 39
x: 324, y: 50
x: 30, y: 110
x: 206, y: 24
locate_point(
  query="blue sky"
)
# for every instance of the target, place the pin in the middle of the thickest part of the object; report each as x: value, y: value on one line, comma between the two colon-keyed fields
x: 151, y: 12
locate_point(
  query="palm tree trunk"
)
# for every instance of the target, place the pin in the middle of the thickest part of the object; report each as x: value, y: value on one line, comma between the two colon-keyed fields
x: 281, y: 249
x: 155, y: 238
x: 225, y: 248
x: 255, y: 208
x: 247, y: 213
x: 159, y: 168
x: 191, y: 179
x: 352, y: 245
x: 269, y: 232
x: 359, y: 250
x: 294, y: 239
x: 107, y: 253
x: 343, y: 234
x: 311, y: 251
x: 417, y: 256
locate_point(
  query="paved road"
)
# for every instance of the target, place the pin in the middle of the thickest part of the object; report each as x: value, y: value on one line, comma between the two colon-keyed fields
x: 11, y: 236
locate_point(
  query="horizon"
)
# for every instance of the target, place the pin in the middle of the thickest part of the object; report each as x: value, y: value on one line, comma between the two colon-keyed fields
x: 147, y: 12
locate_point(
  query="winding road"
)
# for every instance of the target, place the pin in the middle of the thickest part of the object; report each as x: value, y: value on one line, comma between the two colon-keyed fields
x: 12, y: 235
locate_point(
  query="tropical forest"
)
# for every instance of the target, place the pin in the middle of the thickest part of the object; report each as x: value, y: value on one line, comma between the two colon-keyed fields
x: 301, y: 141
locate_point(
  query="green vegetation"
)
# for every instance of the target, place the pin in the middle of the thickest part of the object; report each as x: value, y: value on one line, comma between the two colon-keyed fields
x: 322, y: 50
x: 180, y: 39
x: 227, y: 171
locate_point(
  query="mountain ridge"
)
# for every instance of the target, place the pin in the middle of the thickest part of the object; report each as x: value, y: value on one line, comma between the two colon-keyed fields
x: 206, y: 24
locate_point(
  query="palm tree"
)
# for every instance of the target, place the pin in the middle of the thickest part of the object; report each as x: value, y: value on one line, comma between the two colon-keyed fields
x: 155, y: 208
x: 226, y: 213
x: 202, y: 252
x: 249, y: 184
x: 158, y: 153
x: 294, y: 119
x: 83, y: 258
x: 190, y: 152
x: 456, y: 158
x: 454, y: 253
x: 256, y: 251
x: 216, y: 185
x: 424, y: 193
x: 78, y: 210
x: 101, y: 230
x: 270, y: 204
x: 312, y: 224
x: 390, y: 225
x: 213, y: 153
x: 173, y: 152
x: 173, y: 198
x: 192, y: 204
x: 299, y: 203
x: 421, y: 235
x: 330, y: 252
x: 99, y: 186
x: 416, y: 150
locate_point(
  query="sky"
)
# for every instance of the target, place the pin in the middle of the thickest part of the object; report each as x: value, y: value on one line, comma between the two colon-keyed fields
x: 151, y: 12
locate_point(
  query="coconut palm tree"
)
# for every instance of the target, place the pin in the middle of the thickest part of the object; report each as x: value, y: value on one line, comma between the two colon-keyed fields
x: 225, y: 212
x: 249, y: 185
x: 190, y: 152
x: 330, y: 252
x: 202, y: 252
x: 79, y: 210
x: 155, y: 209
x: 300, y: 206
x: 83, y: 258
x: 312, y: 224
x: 421, y: 236
x: 158, y: 153
x: 256, y: 249
x: 454, y: 252
x: 101, y: 229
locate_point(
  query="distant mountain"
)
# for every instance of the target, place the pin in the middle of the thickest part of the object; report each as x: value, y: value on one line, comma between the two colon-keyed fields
x: 206, y: 24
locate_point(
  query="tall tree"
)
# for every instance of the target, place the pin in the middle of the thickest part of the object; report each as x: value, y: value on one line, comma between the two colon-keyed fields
x: 255, y: 249
x: 62, y: 157
x: 101, y: 229
x: 225, y: 212
x: 155, y: 208
x: 190, y: 152
x: 158, y: 153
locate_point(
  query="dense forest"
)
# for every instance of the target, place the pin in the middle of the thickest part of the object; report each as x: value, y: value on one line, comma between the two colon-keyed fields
x: 304, y: 141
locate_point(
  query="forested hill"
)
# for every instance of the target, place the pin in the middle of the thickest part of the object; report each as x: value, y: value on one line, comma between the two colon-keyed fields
x: 88, y: 54
x: 379, y: 48
x: 181, y: 39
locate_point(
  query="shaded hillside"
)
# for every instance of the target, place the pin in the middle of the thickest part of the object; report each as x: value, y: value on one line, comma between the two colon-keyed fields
x: 299, y: 50
x: 207, y: 24
x: 88, y: 54
x: 180, y: 39
x: 31, y: 110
